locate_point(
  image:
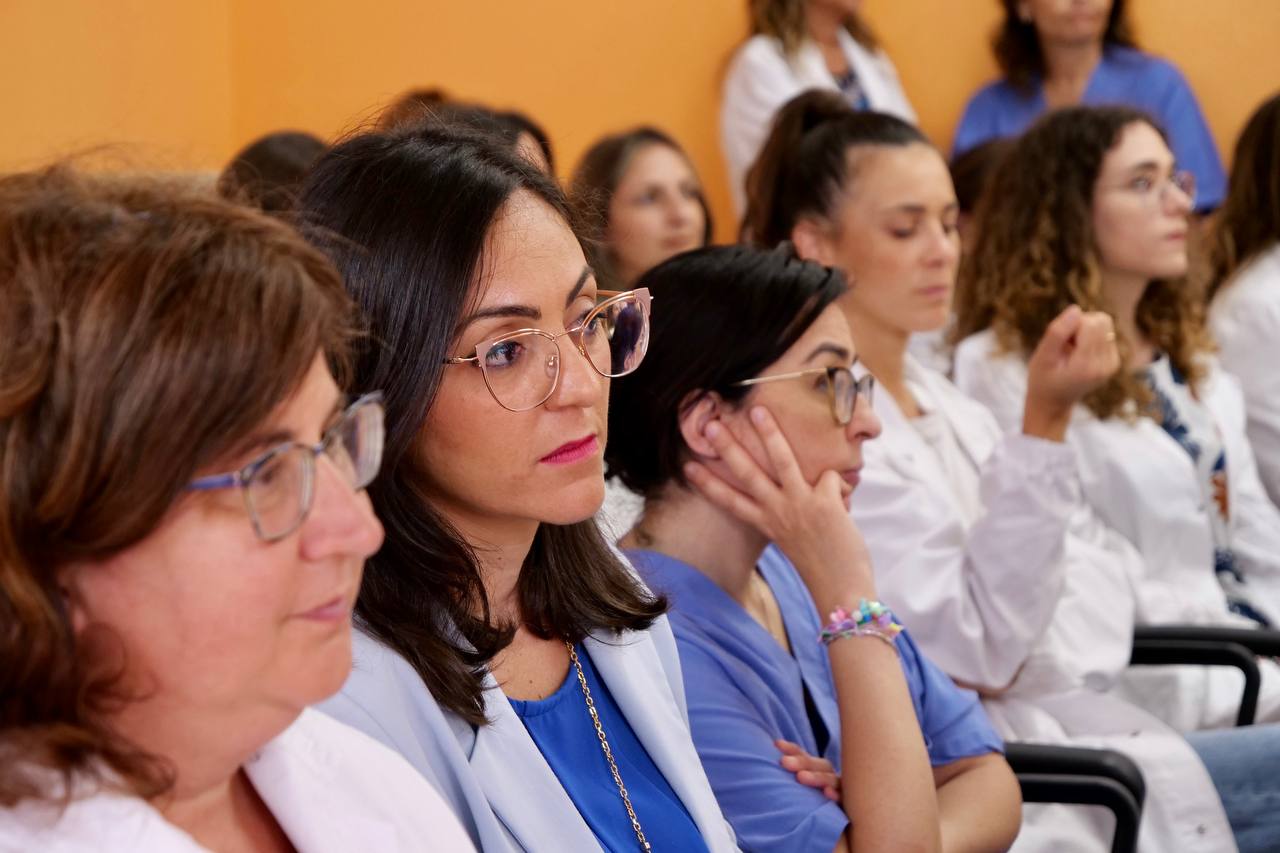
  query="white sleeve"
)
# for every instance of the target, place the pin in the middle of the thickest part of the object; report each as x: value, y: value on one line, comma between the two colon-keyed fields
x: 1249, y: 337
x: 759, y: 82
x: 998, y: 382
x: 976, y: 600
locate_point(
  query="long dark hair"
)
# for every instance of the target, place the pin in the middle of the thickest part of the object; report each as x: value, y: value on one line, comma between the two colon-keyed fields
x: 727, y: 313
x: 1017, y: 45
x: 404, y: 214
x: 596, y: 179
x: 1249, y: 221
x: 804, y: 164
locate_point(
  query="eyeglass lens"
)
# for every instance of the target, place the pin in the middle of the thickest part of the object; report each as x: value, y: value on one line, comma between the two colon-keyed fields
x: 279, y: 490
x: 521, y: 371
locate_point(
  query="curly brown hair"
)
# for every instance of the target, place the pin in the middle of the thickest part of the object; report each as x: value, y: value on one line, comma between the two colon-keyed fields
x: 1035, y: 254
x: 146, y: 328
x: 1249, y: 222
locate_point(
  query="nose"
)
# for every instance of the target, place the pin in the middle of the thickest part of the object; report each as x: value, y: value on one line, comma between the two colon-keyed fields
x: 580, y: 385
x: 944, y: 247
x: 1176, y: 199
x: 680, y: 209
x: 341, y: 522
x: 865, y: 423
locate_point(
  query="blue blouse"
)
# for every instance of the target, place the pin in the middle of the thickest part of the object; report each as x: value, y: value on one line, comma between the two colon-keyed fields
x: 1124, y: 76
x: 744, y: 692
x: 561, y: 727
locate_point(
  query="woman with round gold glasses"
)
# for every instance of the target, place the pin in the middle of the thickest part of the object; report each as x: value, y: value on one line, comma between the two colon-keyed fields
x: 503, y: 646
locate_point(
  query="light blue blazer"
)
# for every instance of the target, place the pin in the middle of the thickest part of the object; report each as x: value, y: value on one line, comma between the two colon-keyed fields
x: 496, y: 780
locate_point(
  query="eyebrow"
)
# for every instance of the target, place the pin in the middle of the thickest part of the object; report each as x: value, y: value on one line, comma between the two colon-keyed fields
x: 834, y: 349
x: 265, y: 440
x: 1150, y: 166
x: 527, y: 311
x: 917, y: 209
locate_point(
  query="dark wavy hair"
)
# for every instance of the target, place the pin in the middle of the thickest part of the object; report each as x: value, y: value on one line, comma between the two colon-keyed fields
x: 1035, y: 253
x: 419, y: 105
x: 405, y: 214
x: 266, y: 173
x: 1016, y: 44
x: 804, y: 164
x: 147, y: 330
x: 728, y: 312
x: 1249, y: 221
x: 595, y: 181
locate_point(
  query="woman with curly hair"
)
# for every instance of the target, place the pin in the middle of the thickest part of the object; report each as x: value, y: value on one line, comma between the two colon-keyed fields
x: 1060, y: 53
x: 1245, y: 284
x: 1088, y: 209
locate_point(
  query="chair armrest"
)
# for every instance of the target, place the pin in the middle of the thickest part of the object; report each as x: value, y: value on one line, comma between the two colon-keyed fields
x: 1080, y: 776
x: 1209, y: 645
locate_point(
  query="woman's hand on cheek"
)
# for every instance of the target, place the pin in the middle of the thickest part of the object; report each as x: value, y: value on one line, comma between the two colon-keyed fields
x: 809, y: 523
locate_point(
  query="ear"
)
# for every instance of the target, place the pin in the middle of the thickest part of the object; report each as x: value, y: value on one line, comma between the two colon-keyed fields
x: 1024, y: 13
x: 813, y: 242
x: 65, y: 578
x: 696, y: 411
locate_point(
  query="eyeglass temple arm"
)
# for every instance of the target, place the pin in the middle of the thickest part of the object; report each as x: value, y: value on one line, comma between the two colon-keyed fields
x: 218, y: 481
x: 777, y: 376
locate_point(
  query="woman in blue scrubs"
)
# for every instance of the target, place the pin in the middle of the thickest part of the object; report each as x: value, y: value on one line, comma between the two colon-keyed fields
x: 743, y: 429
x: 1058, y: 53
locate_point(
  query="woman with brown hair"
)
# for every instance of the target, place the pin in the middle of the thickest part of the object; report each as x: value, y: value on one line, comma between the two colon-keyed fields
x: 1055, y: 54
x: 1089, y: 209
x: 1245, y: 284
x: 639, y: 200
x: 182, y: 532
x: 796, y: 45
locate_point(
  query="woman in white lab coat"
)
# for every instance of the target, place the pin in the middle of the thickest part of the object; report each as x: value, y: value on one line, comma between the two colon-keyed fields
x: 798, y: 45
x: 1245, y: 286
x: 982, y: 537
x: 182, y: 533
x: 1092, y: 211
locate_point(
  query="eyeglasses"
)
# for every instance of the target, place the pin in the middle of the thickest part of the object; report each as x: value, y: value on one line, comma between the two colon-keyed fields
x: 279, y: 486
x: 843, y: 390
x: 1154, y: 191
x: 522, y: 368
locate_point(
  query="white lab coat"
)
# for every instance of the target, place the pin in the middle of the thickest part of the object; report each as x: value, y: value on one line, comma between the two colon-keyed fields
x: 1141, y: 484
x: 331, y: 788
x: 761, y: 78
x: 1245, y: 319
x: 1017, y: 596
x: 495, y: 778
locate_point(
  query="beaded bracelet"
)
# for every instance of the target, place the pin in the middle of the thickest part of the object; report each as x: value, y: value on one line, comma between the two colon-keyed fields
x: 870, y: 619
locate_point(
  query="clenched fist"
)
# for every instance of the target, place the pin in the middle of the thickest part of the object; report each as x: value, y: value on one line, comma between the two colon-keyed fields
x: 1077, y: 354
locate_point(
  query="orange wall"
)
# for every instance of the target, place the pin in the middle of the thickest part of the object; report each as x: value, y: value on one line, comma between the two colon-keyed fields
x: 195, y: 80
x: 80, y: 73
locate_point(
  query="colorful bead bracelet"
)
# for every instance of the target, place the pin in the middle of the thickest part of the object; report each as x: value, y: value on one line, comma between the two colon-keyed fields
x: 870, y: 619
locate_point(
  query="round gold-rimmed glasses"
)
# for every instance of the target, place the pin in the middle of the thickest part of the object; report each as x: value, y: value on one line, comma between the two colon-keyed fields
x: 522, y: 368
x: 843, y: 389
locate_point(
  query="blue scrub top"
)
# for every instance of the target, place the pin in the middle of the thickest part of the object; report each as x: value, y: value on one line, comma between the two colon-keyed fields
x: 562, y: 728
x: 1124, y: 77
x: 744, y: 691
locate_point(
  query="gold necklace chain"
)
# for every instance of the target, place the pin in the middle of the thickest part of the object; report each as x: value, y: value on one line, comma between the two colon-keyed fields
x: 604, y: 747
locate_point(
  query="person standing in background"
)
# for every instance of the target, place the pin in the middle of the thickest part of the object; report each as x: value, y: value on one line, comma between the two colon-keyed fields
x: 1060, y: 53
x: 797, y: 45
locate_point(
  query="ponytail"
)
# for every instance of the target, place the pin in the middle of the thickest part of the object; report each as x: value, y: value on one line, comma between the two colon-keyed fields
x: 803, y: 165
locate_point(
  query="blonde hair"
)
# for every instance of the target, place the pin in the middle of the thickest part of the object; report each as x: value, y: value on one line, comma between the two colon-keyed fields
x: 785, y: 21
